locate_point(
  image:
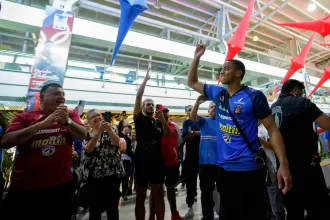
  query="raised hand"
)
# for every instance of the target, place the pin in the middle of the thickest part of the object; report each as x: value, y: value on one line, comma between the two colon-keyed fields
x: 201, y: 99
x: 147, y: 75
x: 159, y: 115
x: 200, y: 50
x: 50, y: 120
x: 103, y: 126
x: 63, y: 113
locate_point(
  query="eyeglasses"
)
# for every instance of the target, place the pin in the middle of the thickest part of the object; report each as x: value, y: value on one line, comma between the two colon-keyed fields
x: 94, y: 116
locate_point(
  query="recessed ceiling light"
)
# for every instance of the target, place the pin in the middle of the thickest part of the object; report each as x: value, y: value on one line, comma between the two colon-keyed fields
x: 311, y: 7
x: 255, y: 38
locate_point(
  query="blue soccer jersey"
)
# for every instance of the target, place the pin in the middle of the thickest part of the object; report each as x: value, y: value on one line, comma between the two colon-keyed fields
x: 208, y: 146
x: 248, y: 105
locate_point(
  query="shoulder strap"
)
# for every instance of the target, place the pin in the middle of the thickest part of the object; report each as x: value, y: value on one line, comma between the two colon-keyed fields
x: 237, y: 124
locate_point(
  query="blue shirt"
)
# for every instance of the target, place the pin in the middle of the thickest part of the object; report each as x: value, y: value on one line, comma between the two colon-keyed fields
x: 208, y: 153
x: 78, y: 149
x: 192, y: 146
x: 248, y: 105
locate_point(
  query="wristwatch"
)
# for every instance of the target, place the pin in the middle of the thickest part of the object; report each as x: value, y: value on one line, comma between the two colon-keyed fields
x: 69, y: 122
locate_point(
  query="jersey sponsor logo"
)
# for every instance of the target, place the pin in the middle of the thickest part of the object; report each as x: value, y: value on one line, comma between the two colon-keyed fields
x: 239, y: 101
x: 48, y: 151
x: 278, y: 114
x: 54, y: 140
x: 229, y: 129
x: 237, y: 109
x: 226, y: 138
x: 48, y: 131
x: 224, y: 117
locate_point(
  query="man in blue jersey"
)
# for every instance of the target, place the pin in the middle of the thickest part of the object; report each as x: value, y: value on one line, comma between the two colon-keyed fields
x: 240, y: 185
x: 191, y: 135
x: 208, y: 156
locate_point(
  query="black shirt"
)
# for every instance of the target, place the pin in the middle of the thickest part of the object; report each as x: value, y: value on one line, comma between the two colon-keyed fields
x: 147, y: 129
x: 294, y: 116
x: 129, y: 151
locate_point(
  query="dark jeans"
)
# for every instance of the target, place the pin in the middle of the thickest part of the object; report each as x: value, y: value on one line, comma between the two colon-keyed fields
x: 191, y: 173
x: 241, y: 195
x: 128, y: 167
x: 105, y: 196
x: 274, y: 202
x: 50, y: 203
x: 208, y: 176
x: 309, y: 192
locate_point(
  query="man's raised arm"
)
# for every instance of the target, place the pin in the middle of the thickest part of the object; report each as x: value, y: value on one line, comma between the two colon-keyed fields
x: 139, y: 95
x: 192, y: 75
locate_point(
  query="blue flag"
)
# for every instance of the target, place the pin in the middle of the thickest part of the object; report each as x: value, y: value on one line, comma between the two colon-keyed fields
x: 130, y: 9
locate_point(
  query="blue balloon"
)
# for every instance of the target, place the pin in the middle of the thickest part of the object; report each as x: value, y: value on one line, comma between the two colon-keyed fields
x: 130, y: 9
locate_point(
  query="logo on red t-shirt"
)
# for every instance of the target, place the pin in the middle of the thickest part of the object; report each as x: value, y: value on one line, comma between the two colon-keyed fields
x: 48, y: 151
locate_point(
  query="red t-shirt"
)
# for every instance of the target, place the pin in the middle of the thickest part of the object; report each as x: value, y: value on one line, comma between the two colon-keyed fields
x: 170, y: 147
x: 45, y: 159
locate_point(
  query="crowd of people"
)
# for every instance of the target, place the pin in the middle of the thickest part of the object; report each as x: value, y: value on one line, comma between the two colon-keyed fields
x: 262, y: 161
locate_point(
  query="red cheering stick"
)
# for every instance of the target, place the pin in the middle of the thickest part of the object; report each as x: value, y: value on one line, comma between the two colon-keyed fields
x: 325, y: 77
x: 321, y: 26
x: 237, y: 41
x: 298, y: 62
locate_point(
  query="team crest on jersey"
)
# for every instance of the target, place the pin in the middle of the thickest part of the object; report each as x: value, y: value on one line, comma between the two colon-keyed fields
x: 48, y: 151
x: 237, y: 109
x: 226, y: 138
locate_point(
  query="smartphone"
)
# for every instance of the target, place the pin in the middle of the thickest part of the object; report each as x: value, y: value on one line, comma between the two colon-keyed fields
x: 80, y: 107
x: 107, y: 116
x: 123, y: 113
x: 159, y: 107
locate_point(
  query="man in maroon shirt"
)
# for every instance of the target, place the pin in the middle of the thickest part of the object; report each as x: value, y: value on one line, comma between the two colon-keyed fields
x: 41, y: 184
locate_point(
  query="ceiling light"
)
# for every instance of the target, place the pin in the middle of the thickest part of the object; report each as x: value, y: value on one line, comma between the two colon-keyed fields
x: 311, y: 7
x: 157, y: 5
x: 255, y: 38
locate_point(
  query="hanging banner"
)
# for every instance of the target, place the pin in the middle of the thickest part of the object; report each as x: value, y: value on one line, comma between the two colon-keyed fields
x: 51, y: 54
x: 307, y: 83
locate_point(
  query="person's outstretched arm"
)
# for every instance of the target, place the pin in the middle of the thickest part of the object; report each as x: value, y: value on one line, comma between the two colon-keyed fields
x: 192, y: 75
x: 139, y: 95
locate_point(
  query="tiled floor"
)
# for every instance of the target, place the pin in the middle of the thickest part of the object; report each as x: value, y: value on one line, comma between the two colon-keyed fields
x: 127, y: 208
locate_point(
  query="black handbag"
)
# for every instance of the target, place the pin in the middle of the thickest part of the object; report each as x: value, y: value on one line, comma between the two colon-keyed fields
x: 260, y: 156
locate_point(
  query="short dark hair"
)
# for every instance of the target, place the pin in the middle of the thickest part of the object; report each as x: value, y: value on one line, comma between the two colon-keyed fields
x: 146, y: 100
x: 50, y: 85
x: 292, y: 84
x: 239, y: 65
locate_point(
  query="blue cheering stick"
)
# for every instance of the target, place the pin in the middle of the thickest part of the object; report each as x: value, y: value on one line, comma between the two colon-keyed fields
x: 130, y: 9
